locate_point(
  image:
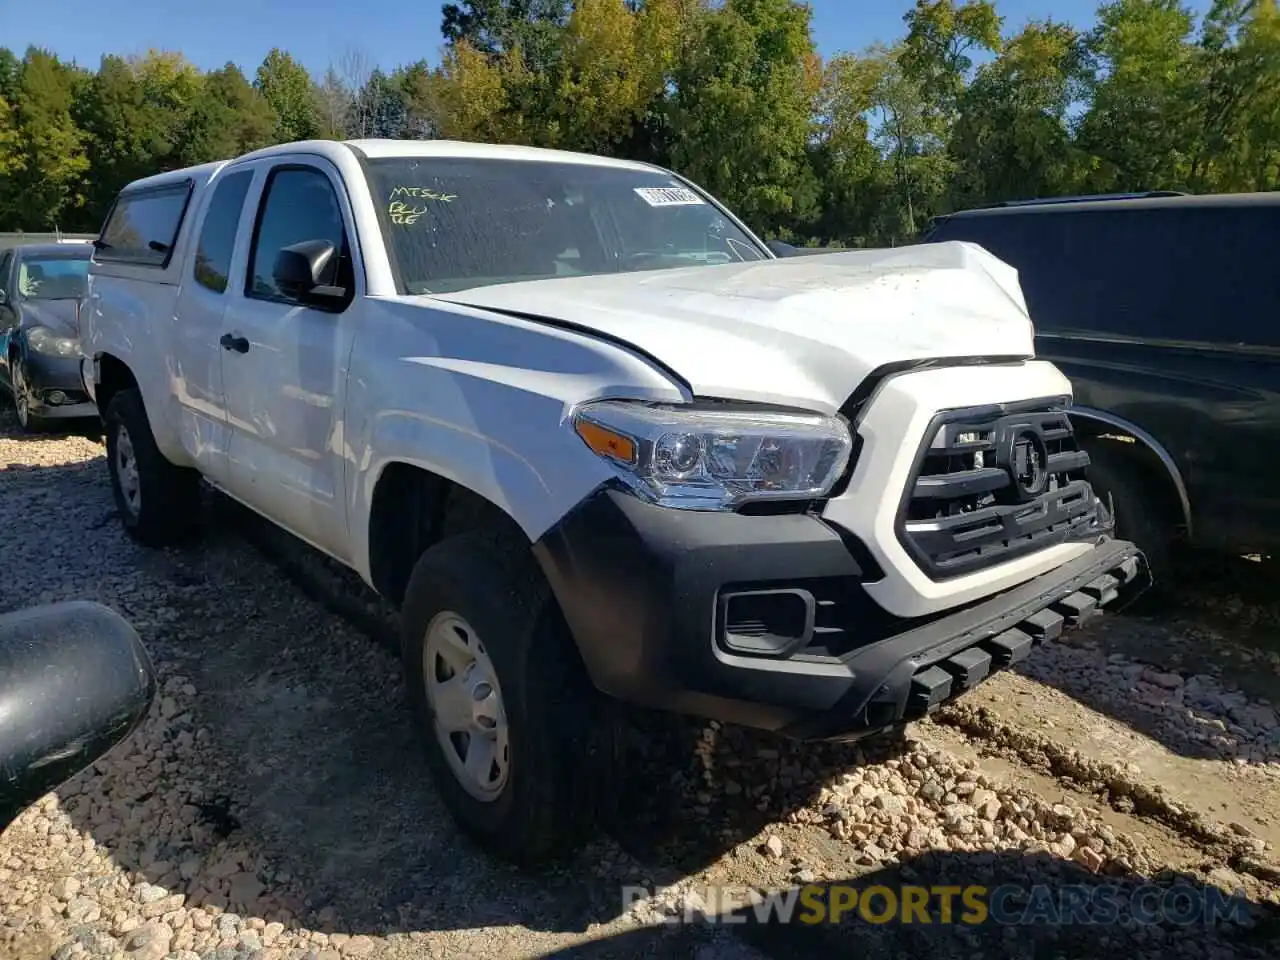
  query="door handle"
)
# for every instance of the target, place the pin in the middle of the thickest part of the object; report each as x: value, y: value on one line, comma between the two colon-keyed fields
x: 238, y: 344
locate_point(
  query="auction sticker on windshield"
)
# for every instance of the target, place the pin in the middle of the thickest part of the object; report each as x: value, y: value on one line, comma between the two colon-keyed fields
x: 669, y: 196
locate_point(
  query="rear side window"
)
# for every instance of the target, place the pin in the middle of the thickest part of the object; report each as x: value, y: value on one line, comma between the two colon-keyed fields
x: 1210, y: 275
x: 1172, y: 272
x: 1008, y: 236
x: 143, y: 226
x: 218, y: 232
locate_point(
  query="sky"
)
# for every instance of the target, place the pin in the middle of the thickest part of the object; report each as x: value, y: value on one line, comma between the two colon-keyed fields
x: 386, y: 32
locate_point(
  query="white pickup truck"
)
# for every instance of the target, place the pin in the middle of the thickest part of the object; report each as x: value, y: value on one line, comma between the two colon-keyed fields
x: 596, y: 439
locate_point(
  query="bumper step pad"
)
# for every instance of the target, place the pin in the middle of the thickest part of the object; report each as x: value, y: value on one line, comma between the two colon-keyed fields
x: 1045, y: 625
x: 1078, y: 609
x: 929, y: 688
x: 1010, y: 647
x: 1105, y: 589
x: 969, y: 667
x: 942, y: 681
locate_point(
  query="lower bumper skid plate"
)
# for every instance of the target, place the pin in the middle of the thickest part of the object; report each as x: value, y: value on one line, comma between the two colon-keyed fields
x: 935, y: 684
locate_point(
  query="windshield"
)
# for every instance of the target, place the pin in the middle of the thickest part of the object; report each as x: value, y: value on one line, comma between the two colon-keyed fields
x: 452, y: 223
x: 53, y: 278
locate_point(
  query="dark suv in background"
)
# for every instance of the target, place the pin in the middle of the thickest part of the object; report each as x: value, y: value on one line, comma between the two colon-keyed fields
x: 1164, y: 310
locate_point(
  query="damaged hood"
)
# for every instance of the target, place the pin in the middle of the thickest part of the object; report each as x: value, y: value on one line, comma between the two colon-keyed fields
x: 801, y: 331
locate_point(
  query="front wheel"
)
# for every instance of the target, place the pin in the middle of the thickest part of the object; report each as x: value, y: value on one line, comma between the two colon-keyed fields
x: 515, y: 738
x: 24, y: 397
x: 158, y: 502
x: 1138, y: 514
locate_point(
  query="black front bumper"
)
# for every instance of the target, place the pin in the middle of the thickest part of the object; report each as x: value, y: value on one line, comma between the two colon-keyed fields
x: 649, y: 596
x: 56, y: 383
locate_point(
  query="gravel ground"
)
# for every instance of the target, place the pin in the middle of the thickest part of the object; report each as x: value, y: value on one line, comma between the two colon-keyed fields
x: 275, y: 805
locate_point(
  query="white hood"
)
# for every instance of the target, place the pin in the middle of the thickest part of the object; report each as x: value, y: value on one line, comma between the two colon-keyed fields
x: 801, y: 331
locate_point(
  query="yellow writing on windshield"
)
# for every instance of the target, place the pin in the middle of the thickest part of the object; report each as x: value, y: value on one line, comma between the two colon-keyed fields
x: 408, y: 211
x: 400, y: 212
x: 423, y: 193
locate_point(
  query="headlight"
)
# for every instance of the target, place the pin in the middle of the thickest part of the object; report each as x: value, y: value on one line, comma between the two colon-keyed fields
x: 43, y: 340
x: 700, y: 458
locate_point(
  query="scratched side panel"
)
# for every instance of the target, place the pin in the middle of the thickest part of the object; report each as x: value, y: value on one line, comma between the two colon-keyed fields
x: 483, y: 401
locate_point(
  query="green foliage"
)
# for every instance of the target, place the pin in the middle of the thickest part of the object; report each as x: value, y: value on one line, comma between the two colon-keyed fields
x: 936, y: 52
x: 742, y: 112
x: 228, y: 117
x: 123, y: 134
x: 287, y: 87
x: 496, y: 27
x: 850, y: 169
x: 1237, y: 113
x: 1139, y: 126
x: 47, y: 158
x: 8, y: 142
x: 1011, y: 138
x: 863, y: 149
x: 10, y: 67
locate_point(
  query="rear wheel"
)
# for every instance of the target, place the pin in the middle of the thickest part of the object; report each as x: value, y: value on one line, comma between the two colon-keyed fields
x: 513, y: 730
x: 158, y: 502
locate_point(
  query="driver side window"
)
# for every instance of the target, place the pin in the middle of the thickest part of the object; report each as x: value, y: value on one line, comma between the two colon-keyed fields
x: 298, y: 204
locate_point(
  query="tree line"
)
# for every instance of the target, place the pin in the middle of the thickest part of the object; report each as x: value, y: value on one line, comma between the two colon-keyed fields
x: 863, y: 148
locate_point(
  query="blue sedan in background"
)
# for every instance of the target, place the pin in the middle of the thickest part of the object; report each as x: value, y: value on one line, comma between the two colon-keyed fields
x: 42, y: 289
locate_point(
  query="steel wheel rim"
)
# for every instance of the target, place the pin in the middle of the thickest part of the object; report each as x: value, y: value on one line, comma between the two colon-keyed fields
x: 127, y: 471
x: 21, y: 394
x: 468, y: 715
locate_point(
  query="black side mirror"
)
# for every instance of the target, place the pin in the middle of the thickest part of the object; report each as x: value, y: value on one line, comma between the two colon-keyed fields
x: 301, y: 270
x: 781, y: 249
x: 75, y: 680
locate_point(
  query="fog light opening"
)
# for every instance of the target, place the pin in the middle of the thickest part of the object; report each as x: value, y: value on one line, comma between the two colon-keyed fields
x: 56, y: 397
x: 769, y: 623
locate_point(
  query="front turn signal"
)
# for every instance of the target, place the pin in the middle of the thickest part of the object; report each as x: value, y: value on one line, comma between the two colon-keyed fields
x: 605, y: 442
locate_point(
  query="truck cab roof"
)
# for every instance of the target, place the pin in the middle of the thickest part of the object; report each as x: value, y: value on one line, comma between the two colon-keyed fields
x: 375, y: 149
x: 198, y: 174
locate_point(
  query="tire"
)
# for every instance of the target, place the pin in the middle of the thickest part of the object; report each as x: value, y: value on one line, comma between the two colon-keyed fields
x: 483, y: 592
x: 158, y: 502
x: 1140, y: 517
x: 19, y: 383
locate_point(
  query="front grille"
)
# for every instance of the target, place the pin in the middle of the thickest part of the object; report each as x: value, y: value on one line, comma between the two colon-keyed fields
x: 994, y: 483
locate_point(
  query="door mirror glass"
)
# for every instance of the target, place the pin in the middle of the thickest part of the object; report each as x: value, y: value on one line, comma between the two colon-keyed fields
x: 74, y: 681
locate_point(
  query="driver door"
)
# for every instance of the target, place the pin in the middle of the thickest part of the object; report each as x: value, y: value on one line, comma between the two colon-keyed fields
x: 284, y: 363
